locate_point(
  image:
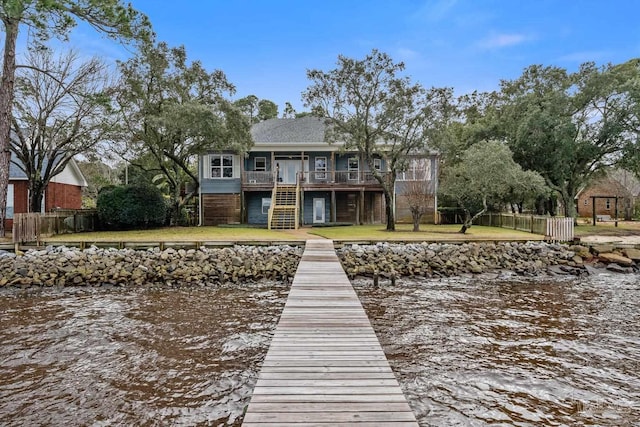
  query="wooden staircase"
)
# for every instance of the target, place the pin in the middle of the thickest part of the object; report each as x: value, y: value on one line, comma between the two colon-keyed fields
x: 283, y: 213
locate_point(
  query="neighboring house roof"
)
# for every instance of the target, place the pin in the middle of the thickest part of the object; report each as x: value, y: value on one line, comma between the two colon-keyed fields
x: 606, y: 186
x: 71, y: 174
x: 628, y: 180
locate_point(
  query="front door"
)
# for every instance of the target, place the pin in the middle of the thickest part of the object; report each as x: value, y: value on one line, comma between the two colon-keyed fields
x: 318, y: 210
x: 288, y: 170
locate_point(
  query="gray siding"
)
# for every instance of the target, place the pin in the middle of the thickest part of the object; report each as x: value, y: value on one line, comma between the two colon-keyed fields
x: 249, y: 164
x: 254, y: 207
x: 220, y: 186
x: 342, y: 162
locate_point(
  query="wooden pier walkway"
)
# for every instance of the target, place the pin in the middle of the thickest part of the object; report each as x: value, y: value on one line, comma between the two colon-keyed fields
x: 325, y: 365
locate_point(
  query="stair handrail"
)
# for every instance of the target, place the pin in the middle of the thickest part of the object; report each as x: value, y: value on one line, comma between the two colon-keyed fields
x: 297, y: 211
x: 274, y: 192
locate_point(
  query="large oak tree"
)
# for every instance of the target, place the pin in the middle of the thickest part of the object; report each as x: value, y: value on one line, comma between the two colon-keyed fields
x: 486, y: 175
x: 570, y: 127
x: 371, y: 108
x: 171, y: 110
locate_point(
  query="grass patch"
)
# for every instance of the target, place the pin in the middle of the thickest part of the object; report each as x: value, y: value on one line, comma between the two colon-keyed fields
x: 624, y: 228
x: 178, y: 234
x: 428, y: 232
x: 340, y: 233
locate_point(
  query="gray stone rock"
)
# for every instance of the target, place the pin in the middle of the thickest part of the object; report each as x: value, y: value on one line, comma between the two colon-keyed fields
x: 610, y: 257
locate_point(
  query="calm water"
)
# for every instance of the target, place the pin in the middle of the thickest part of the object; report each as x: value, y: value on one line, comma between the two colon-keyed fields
x: 506, y: 352
x: 133, y: 357
x: 466, y: 351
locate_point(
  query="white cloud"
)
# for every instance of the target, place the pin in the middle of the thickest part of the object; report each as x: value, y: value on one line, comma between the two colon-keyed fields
x: 498, y: 41
x: 406, y: 54
x: 436, y: 11
x: 584, y: 56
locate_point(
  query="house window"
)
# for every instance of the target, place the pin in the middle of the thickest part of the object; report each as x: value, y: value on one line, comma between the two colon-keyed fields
x: 608, y: 204
x: 266, y: 204
x: 377, y: 164
x: 353, y: 167
x: 221, y: 166
x: 417, y: 170
x: 9, y: 214
x: 260, y: 164
x: 321, y: 168
x: 586, y: 202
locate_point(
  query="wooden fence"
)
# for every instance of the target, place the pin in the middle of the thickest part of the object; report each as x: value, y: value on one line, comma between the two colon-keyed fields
x: 30, y: 227
x: 555, y: 229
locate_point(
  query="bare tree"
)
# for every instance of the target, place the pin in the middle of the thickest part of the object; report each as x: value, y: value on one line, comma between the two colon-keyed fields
x: 46, y: 19
x: 419, y: 198
x: 57, y: 115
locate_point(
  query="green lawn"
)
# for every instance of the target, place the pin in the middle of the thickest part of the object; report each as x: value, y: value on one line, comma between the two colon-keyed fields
x: 427, y: 232
x: 351, y: 233
x: 624, y: 228
x: 178, y: 234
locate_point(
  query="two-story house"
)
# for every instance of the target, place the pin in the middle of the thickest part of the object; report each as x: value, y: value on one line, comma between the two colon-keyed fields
x: 291, y: 177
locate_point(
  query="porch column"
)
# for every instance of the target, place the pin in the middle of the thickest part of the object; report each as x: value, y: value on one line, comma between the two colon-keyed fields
x: 333, y: 206
x: 333, y: 167
x: 302, y: 166
x: 361, y: 207
x: 243, y: 208
x: 273, y: 167
x: 301, y: 219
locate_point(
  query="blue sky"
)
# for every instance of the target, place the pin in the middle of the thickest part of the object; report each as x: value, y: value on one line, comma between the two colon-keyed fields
x: 265, y: 46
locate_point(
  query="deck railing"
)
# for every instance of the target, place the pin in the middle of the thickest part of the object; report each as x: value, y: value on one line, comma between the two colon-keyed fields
x: 258, y: 177
x: 314, y: 177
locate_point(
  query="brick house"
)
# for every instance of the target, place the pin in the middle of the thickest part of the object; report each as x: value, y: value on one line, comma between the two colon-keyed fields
x: 63, y: 192
x: 313, y: 182
x: 618, y: 183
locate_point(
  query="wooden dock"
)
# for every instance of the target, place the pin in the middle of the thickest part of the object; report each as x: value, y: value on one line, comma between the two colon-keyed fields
x: 325, y: 365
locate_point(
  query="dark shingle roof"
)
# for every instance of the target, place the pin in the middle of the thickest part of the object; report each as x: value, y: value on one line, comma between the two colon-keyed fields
x: 306, y: 129
x: 14, y: 171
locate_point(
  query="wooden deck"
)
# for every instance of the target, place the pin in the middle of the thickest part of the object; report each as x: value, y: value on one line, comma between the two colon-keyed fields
x: 325, y: 365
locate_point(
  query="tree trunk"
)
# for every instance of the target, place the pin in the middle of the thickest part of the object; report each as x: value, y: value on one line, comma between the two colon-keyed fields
x: 391, y: 220
x: 416, y: 220
x: 36, y: 191
x: 6, y: 103
x: 468, y: 220
x: 569, y: 204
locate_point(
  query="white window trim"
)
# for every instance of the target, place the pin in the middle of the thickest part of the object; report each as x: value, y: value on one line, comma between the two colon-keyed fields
x: 208, y: 164
x: 350, y: 170
x: 10, y: 199
x: 266, y: 203
x: 320, y: 169
x: 255, y: 164
x: 377, y: 164
x: 417, y: 170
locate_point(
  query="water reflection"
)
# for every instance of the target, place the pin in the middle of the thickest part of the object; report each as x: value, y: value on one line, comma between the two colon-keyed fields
x: 507, y: 352
x: 133, y: 356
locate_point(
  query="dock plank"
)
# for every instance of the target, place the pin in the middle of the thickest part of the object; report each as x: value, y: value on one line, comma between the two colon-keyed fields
x: 325, y: 365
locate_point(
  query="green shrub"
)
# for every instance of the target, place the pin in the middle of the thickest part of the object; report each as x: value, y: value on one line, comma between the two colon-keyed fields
x: 131, y: 206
